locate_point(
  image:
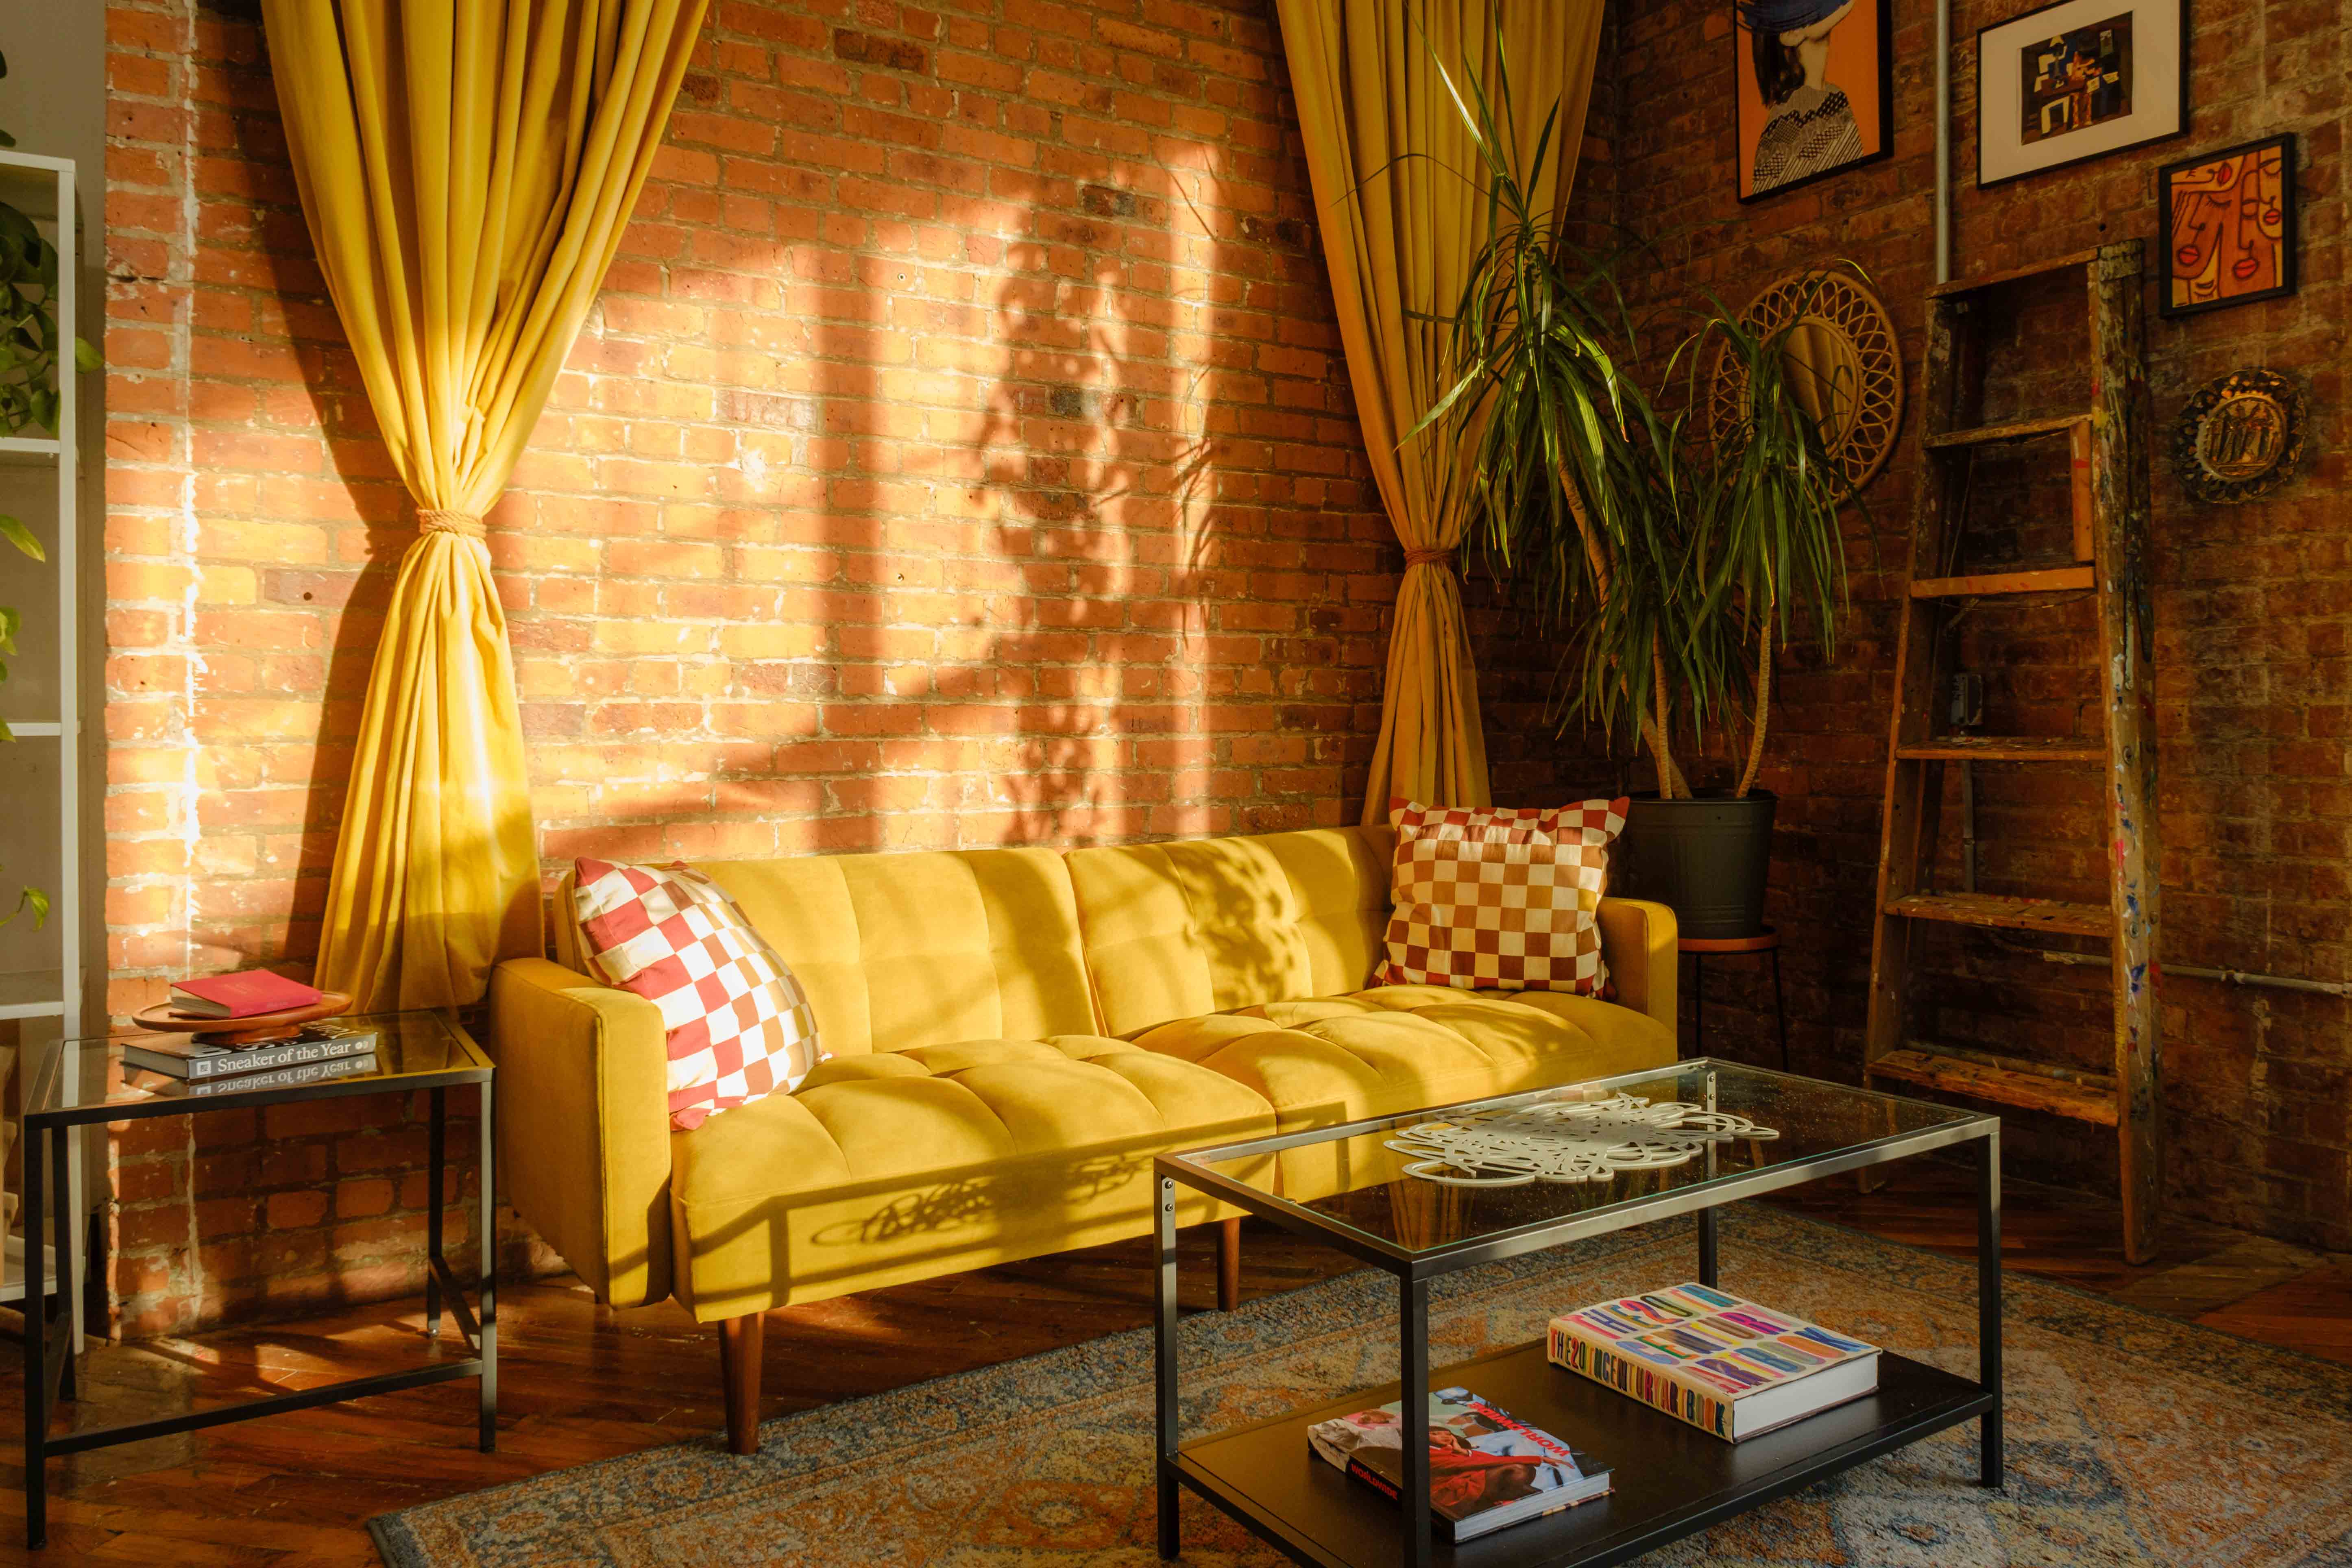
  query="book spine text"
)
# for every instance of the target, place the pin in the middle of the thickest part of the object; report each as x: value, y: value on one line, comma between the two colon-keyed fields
x: 1648, y: 1385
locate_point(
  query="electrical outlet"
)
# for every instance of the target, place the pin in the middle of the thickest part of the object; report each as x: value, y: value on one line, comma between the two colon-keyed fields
x: 1967, y: 700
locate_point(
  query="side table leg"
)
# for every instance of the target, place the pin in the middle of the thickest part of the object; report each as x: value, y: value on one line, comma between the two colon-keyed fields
x: 1413, y: 1408
x: 1163, y: 1366
x: 36, y: 1380
x: 1988, y: 1302
x: 487, y: 1306
x: 69, y: 1237
x: 436, y: 1200
x: 1708, y: 1248
x: 1780, y: 1009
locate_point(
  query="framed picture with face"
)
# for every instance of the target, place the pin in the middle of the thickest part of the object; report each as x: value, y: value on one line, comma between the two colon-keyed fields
x: 2077, y: 80
x: 2226, y: 221
x: 1815, y: 84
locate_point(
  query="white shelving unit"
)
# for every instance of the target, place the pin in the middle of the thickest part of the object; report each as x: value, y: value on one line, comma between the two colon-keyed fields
x: 43, y: 189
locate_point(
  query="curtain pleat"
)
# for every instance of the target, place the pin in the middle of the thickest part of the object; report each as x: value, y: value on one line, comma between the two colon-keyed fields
x: 465, y: 168
x: 1397, y: 185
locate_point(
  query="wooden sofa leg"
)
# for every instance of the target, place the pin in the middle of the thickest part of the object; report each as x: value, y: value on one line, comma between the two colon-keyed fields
x: 1229, y: 1265
x: 739, y: 1370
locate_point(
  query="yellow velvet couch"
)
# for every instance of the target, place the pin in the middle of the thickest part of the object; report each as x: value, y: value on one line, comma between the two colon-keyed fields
x: 1013, y: 1034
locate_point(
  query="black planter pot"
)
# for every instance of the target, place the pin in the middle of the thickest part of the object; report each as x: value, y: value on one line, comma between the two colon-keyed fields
x: 1706, y: 858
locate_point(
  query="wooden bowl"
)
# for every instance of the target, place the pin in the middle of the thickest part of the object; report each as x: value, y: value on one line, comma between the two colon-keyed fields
x: 254, y: 1029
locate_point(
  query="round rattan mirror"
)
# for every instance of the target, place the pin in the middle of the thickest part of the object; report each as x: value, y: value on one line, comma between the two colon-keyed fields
x: 1845, y: 341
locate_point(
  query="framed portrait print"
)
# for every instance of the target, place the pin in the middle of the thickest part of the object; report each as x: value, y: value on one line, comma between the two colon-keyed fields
x: 2077, y: 80
x: 2227, y: 226
x: 1815, y: 86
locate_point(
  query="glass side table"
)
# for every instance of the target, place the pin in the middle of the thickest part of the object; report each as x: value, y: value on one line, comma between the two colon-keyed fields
x: 89, y: 1083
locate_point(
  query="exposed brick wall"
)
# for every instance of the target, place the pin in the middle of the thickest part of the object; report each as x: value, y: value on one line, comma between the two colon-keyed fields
x: 2253, y: 605
x: 959, y: 454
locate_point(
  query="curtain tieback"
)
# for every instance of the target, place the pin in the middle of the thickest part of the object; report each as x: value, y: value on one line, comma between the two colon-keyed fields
x: 1443, y: 558
x: 433, y: 520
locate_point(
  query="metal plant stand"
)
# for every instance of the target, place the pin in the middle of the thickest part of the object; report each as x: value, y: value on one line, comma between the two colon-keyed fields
x: 1671, y: 1478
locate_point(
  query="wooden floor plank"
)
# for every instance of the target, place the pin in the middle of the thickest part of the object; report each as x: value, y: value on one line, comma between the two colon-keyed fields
x: 581, y: 1383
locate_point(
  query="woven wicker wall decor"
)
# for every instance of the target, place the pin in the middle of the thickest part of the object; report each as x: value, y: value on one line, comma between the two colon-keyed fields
x: 1845, y: 340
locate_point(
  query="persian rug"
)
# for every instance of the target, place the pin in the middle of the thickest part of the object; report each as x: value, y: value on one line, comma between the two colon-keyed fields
x: 2132, y: 1439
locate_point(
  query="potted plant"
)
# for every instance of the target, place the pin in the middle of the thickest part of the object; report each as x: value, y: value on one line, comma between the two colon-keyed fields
x: 1675, y: 565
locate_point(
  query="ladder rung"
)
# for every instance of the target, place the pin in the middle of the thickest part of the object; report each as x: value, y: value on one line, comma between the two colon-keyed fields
x: 2003, y: 748
x: 1995, y: 279
x: 2020, y: 430
x: 2052, y: 580
x: 2048, y: 915
x: 2090, y: 1098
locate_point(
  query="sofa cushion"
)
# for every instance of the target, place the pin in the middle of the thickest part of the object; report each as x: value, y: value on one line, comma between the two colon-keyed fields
x: 1177, y: 930
x: 900, y: 950
x: 736, y: 1024
x: 1490, y: 897
x: 937, y: 1158
x: 1397, y: 1049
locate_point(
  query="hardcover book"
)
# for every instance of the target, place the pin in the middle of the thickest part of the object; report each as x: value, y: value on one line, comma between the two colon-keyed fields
x: 240, y: 995
x: 1486, y: 1467
x: 284, y: 1077
x: 1726, y: 1365
x: 193, y: 1059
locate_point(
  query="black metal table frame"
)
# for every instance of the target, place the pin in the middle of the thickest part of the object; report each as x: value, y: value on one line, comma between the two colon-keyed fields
x: 1414, y: 1270
x: 49, y: 1334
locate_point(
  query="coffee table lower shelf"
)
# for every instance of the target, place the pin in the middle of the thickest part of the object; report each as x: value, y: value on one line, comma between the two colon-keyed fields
x: 1672, y: 1480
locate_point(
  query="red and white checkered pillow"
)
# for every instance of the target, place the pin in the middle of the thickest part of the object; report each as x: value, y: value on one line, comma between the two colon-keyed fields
x: 1508, y: 900
x: 739, y: 1026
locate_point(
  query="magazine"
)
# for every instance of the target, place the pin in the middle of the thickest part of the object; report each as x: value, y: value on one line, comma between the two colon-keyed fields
x: 1486, y: 1467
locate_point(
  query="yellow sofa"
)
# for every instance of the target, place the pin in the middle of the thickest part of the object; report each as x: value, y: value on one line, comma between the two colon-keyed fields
x: 1013, y: 1034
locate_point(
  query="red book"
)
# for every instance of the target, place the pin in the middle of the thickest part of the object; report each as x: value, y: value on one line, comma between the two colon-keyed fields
x: 240, y: 995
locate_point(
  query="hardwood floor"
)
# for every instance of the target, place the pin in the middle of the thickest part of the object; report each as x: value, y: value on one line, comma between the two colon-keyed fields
x: 579, y: 1383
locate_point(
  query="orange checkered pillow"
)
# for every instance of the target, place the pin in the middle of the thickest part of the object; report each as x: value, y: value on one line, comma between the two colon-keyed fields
x: 1492, y: 899
x: 740, y: 1028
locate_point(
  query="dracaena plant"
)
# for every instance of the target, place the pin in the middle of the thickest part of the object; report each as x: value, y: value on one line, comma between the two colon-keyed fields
x: 1674, y: 564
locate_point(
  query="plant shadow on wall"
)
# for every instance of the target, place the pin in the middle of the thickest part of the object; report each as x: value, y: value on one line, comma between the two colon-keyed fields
x: 1677, y: 553
x: 1100, y: 475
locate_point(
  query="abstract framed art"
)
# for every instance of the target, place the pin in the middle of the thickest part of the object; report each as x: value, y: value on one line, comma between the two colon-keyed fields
x: 2227, y: 222
x: 2077, y: 80
x: 1815, y: 89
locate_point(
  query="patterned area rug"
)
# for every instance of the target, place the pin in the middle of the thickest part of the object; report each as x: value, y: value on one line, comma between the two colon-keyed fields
x: 2132, y: 1439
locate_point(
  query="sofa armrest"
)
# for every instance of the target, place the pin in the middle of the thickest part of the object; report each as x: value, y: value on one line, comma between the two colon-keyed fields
x: 1640, y: 941
x: 583, y: 1123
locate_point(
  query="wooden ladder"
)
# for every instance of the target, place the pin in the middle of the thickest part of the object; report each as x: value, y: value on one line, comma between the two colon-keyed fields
x: 2109, y: 448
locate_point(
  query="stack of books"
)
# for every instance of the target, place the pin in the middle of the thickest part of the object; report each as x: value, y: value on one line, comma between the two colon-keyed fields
x: 1726, y: 1365
x: 312, y: 1054
x: 1486, y: 1467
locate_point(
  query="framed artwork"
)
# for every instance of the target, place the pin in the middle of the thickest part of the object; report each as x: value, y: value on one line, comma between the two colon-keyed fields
x: 2078, y: 80
x: 2227, y: 222
x: 1816, y: 90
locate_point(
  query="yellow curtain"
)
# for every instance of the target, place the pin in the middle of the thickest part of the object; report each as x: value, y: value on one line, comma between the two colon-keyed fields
x: 466, y: 168
x: 1399, y: 236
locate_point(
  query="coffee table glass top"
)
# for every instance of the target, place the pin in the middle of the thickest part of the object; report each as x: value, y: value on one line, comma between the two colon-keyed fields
x: 411, y: 1049
x: 1581, y: 1159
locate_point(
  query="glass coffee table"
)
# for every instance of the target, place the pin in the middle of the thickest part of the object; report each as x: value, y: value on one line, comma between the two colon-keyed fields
x: 1478, y: 1192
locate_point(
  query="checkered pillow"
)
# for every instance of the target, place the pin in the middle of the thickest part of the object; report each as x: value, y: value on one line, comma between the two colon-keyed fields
x: 739, y: 1026
x: 1492, y: 899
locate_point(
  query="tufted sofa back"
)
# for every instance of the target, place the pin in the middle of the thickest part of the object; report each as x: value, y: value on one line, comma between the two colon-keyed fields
x: 898, y: 951
x: 1177, y: 930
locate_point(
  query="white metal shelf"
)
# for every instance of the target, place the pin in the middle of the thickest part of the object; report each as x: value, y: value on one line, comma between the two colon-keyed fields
x: 31, y: 730
x: 26, y: 449
x: 43, y: 189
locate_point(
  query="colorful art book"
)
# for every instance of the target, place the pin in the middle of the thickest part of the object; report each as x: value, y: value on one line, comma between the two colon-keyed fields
x: 1726, y: 1365
x: 1486, y: 1467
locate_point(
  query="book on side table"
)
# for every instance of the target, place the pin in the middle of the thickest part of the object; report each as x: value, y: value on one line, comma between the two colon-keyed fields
x: 1486, y: 1467
x: 1726, y: 1365
x: 245, y: 994
x: 193, y: 1059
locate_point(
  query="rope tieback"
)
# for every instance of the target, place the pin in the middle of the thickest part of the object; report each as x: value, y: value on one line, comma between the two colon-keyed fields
x: 1429, y: 557
x: 433, y: 520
